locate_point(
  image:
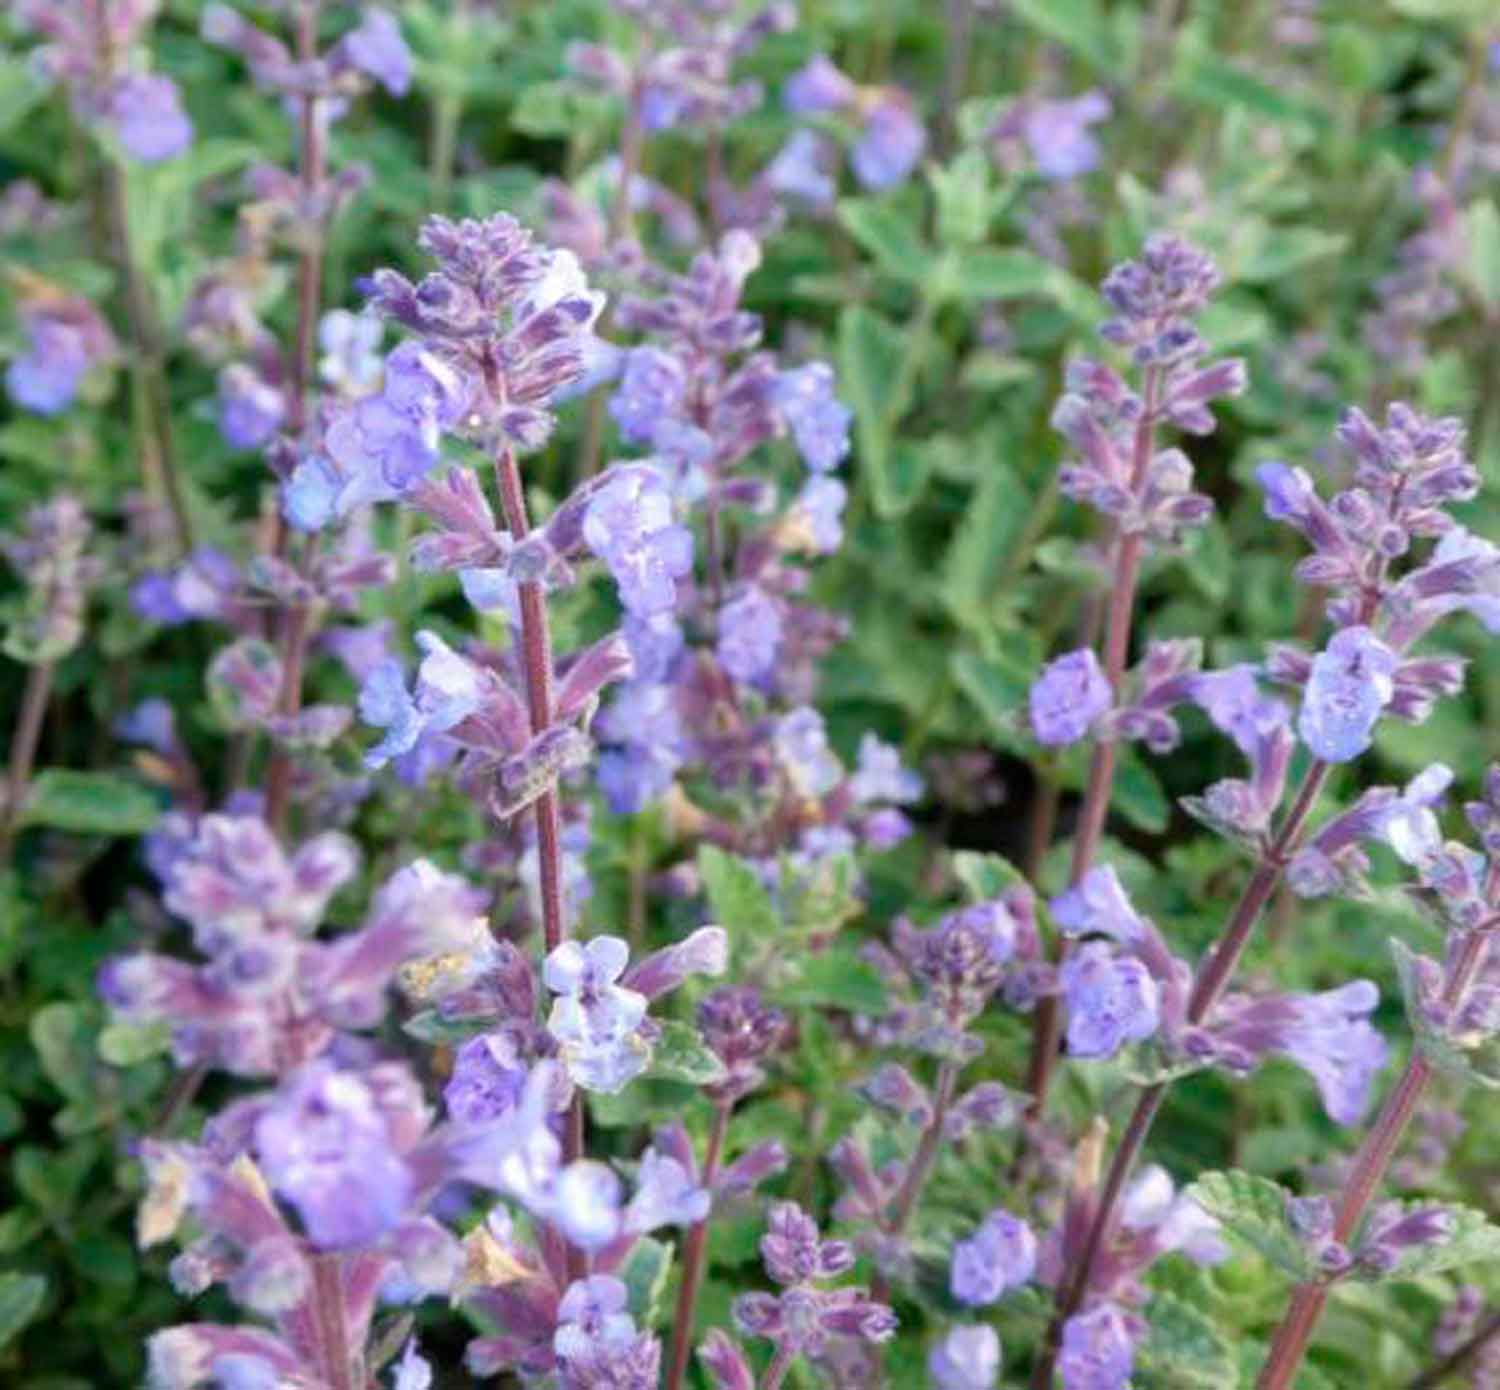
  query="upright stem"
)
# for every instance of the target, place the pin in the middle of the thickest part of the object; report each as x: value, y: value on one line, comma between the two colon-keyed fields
x: 147, y: 361
x: 1212, y: 979
x: 1046, y: 1034
x: 536, y: 655
x: 781, y: 1363
x: 621, y: 220
x: 333, y: 1324
x: 23, y: 745
x: 296, y: 625
x: 447, y: 111
x: 295, y: 635
x: 693, y: 1251
x: 1460, y: 1357
x: 959, y: 21
x: 1367, y: 1175
x: 917, y: 1173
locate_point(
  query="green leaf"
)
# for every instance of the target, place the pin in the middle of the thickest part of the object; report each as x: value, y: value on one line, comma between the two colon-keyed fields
x: 21, y: 1298
x: 1214, y: 82
x: 997, y: 691
x: 429, y: 1026
x: 891, y: 238
x: 1078, y: 25
x: 90, y: 803
x: 128, y: 1044
x: 556, y: 109
x: 1183, y: 1350
x: 1138, y: 794
x: 63, y: 1036
x: 991, y: 273
x: 1478, y: 1062
x: 680, y: 1054
x: 1482, y: 235
x: 872, y: 352
x: 104, y: 1257
x: 836, y: 979
x: 644, y: 1275
x: 1475, y: 1240
x: 1254, y: 1210
x: 737, y: 898
x: 985, y: 876
x: 905, y: 479
x: 1287, y: 249
x: 964, y: 198
x: 983, y: 548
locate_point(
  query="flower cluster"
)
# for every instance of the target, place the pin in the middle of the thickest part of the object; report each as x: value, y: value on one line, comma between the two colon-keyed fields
x: 94, y: 51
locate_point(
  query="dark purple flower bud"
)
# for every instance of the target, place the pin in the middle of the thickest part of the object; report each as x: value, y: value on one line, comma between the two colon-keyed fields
x: 725, y: 1363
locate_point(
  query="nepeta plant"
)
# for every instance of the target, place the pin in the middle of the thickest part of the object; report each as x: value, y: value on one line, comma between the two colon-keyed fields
x: 669, y: 850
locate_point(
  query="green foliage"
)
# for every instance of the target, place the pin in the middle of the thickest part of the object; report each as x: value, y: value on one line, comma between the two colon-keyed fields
x: 89, y: 803
x: 1253, y: 1210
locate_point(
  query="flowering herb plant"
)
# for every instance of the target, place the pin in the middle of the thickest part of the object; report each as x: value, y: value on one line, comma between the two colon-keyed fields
x: 749, y: 694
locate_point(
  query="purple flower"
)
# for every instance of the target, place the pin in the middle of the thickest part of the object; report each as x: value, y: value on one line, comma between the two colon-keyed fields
x: 377, y: 49
x: 666, y: 1194
x: 801, y: 743
x: 819, y: 422
x: 412, y: 1371
x: 802, y: 169
x: 488, y: 1081
x: 1112, y: 999
x: 1098, y: 1350
x: 817, y: 88
x: 1058, y: 135
x: 585, y: 1204
x: 965, y: 1358
x: 447, y: 691
x: 324, y: 1146
x: 998, y: 1257
x: 146, y: 113
x: 65, y: 339
x: 749, y: 635
x: 593, y: 1317
x: 1068, y: 697
x: 890, y: 144
x: 629, y: 525
x: 382, y: 444
x: 1233, y: 700
x: 1330, y: 1037
x: 351, y: 350
x: 1174, y: 1222
x: 250, y: 408
x: 596, y: 1021
x: 816, y: 518
x: 653, y: 386
x: 1350, y: 684
x: 881, y: 777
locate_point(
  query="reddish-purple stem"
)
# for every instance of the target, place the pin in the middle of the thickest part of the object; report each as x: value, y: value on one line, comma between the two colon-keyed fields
x: 1046, y: 1034
x: 296, y: 624
x: 536, y: 656
x: 1289, y: 1345
x: 1213, y: 977
x: 24, y: 739
x: 694, y: 1249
